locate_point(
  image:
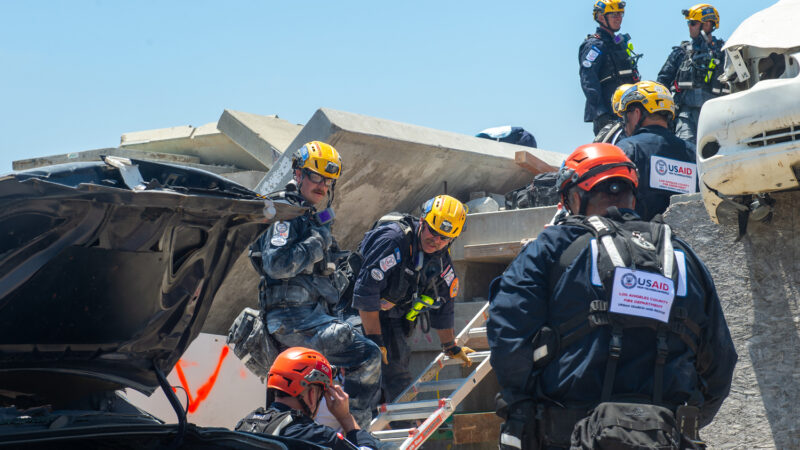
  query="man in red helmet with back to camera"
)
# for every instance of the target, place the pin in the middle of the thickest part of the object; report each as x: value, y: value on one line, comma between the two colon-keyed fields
x: 297, y: 381
x: 606, y: 331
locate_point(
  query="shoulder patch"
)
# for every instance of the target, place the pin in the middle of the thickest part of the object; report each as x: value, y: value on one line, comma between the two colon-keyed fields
x: 397, y: 255
x: 449, y: 275
x: 282, y: 229
x: 278, y: 241
x: 376, y: 274
x: 388, y: 262
x: 454, y: 288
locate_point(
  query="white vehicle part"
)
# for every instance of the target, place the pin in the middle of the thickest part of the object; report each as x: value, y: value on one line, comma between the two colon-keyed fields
x: 773, y: 27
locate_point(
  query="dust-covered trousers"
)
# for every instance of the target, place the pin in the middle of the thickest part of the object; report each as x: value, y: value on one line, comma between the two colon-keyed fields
x: 309, y: 325
x: 686, y: 123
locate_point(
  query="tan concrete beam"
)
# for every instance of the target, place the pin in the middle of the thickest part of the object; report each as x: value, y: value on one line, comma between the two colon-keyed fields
x: 263, y: 137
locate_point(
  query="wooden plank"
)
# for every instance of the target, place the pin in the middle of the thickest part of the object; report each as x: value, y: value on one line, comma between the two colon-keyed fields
x: 476, y: 428
x: 527, y: 161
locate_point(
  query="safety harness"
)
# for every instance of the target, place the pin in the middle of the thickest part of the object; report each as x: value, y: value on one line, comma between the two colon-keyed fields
x: 267, y: 421
x: 621, y: 243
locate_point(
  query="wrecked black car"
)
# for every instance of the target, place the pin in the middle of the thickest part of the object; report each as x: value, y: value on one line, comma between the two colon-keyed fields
x: 107, y: 273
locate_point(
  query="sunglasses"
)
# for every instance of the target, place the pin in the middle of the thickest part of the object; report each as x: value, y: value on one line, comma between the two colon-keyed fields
x: 436, y: 234
x: 693, y: 23
x: 318, y: 179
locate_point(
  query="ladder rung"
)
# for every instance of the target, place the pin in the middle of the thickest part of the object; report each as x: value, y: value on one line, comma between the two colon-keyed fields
x: 405, y: 406
x: 409, y: 415
x: 475, y: 357
x: 386, y: 435
x: 441, y: 385
x: 479, y: 332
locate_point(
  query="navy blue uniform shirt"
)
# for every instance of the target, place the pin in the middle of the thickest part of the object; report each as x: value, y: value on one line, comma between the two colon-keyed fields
x: 389, y: 256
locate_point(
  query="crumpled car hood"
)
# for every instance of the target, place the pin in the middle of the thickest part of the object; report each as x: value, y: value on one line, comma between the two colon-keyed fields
x: 108, y: 269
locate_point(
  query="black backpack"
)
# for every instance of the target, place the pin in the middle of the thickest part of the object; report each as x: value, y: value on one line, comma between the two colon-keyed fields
x: 542, y: 191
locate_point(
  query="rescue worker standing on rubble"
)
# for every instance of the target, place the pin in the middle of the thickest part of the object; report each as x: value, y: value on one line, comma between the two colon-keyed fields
x: 666, y: 164
x: 299, y: 287
x: 297, y: 381
x: 614, y: 131
x: 693, y: 68
x: 606, y: 61
x: 580, y: 363
x: 407, y: 276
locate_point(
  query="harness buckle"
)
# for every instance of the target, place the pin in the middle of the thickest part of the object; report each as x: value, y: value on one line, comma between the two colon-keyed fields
x: 615, y: 346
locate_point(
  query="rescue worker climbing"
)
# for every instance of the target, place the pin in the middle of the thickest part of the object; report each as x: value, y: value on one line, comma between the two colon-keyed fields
x: 299, y: 286
x: 607, y: 319
x: 693, y: 68
x: 614, y: 131
x: 297, y: 381
x: 407, y: 276
x: 666, y: 164
x: 607, y: 60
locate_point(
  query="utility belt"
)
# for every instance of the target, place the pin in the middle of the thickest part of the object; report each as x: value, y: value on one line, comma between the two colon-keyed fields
x: 554, y: 426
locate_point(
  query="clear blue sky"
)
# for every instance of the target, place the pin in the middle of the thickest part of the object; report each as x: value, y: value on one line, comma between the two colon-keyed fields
x: 78, y: 74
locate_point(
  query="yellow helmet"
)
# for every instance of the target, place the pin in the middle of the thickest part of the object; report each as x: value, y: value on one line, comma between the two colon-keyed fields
x: 445, y: 215
x: 320, y: 158
x: 702, y: 12
x: 654, y: 97
x: 608, y: 6
x: 618, y: 95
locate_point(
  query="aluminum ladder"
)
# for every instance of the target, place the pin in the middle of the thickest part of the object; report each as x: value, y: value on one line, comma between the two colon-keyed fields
x: 435, y: 412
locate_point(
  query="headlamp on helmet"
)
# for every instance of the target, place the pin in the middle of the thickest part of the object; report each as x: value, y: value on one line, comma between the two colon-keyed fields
x: 702, y: 12
x: 320, y: 158
x: 445, y: 215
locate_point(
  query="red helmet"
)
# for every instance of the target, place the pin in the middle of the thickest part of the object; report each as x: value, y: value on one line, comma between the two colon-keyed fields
x: 296, y: 368
x: 591, y: 164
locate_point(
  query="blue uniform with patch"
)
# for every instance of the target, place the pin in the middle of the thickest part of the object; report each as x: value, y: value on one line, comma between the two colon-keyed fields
x: 297, y: 298
x: 655, y: 141
x: 388, y: 277
x: 540, y: 289
x: 295, y: 425
x: 604, y: 66
x: 691, y: 72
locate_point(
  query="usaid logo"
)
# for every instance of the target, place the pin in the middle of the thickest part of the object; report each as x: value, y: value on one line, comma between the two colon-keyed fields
x: 628, y: 280
x: 661, y: 167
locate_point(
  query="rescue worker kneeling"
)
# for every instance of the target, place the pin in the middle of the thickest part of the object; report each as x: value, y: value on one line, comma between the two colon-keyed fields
x: 606, y: 331
x: 297, y: 381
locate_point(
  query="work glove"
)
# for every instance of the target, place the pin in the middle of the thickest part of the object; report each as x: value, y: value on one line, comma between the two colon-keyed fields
x: 324, y: 234
x: 461, y: 353
x: 378, y: 340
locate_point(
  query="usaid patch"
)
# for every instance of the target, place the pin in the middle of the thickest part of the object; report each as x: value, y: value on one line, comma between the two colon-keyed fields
x: 376, y: 274
x: 388, y: 262
x: 642, y: 294
x: 448, y: 275
x: 673, y: 175
x: 282, y: 229
x: 590, y: 57
x: 278, y: 241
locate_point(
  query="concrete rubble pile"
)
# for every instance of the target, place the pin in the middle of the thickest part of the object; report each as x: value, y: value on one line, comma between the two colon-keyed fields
x: 395, y: 166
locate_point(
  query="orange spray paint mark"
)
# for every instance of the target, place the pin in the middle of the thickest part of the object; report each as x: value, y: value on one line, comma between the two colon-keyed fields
x: 205, y: 389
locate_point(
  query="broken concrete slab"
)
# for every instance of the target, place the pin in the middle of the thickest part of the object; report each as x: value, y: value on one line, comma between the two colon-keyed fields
x: 389, y: 165
x: 206, y: 143
x: 94, y: 155
x: 263, y: 137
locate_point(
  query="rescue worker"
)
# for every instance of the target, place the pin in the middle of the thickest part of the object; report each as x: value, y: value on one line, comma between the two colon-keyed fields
x: 606, y: 61
x: 571, y: 347
x: 299, y: 287
x: 693, y: 68
x: 666, y: 164
x: 297, y: 381
x: 407, y: 269
x: 614, y: 131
